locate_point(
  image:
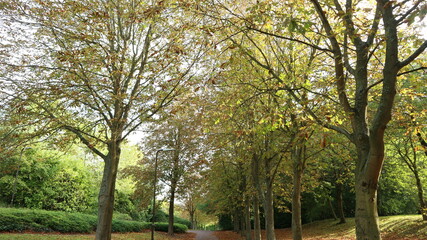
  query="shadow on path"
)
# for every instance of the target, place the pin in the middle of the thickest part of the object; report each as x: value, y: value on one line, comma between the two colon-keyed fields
x: 204, y: 235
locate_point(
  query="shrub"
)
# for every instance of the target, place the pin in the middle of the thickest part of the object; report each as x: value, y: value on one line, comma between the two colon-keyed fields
x: 182, y: 221
x: 121, y: 216
x: 128, y: 226
x: 18, y: 220
x: 45, y: 221
x: 177, y: 228
x: 161, y: 216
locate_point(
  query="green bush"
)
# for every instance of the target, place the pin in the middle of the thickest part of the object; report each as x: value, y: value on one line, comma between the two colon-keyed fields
x: 45, y: 221
x: 121, y: 216
x: 177, y: 228
x: 129, y: 226
x: 161, y: 216
x: 18, y: 220
x: 182, y: 221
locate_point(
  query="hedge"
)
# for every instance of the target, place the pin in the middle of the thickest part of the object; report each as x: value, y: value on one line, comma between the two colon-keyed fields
x: 177, y: 228
x: 18, y: 220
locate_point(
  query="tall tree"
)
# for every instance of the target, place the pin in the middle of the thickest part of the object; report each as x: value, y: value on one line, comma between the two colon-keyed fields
x: 352, y: 42
x: 368, y: 130
x: 96, y: 69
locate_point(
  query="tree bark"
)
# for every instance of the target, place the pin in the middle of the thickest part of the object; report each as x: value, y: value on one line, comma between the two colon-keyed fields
x: 242, y: 221
x: 332, y: 209
x: 248, y: 227
x: 340, y: 204
x: 171, y: 209
x: 174, y: 183
x: 192, y: 211
x: 106, y: 192
x: 367, y: 221
x: 236, y: 221
x: 269, y: 211
x: 420, y: 195
x: 257, y: 196
x: 257, y: 222
x: 298, y: 169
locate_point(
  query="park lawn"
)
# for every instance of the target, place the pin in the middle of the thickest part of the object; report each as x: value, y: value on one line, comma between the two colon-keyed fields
x: 115, y: 236
x: 409, y: 227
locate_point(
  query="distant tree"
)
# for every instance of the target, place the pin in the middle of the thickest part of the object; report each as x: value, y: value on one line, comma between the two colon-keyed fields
x: 406, y: 139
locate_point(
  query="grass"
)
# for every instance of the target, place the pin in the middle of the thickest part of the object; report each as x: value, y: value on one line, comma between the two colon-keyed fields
x: 115, y: 236
x: 408, y: 227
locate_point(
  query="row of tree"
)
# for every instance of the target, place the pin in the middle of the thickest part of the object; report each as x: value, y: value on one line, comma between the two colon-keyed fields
x: 270, y: 82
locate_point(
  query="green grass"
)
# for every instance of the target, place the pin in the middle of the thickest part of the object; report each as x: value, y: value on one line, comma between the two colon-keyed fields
x: 404, y: 226
x: 397, y: 227
x: 115, y: 236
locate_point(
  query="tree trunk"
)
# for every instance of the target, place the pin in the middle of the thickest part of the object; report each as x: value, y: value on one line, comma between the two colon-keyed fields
x: 257, y: 222
x: 192, y: 219
x: 367, y: 222
x: 174, y: 183
x: 171, y: 209
x: 236, y: 221
x: 248, y: 227
x: 242, y: 222
x: 269, y: 212
x: 369, y: 165
x: 257, y: 196
x: 420, y: 195
x: 332, y: 209
x: 298, y: 168
x: 340, y: 204
x: 106, y: 192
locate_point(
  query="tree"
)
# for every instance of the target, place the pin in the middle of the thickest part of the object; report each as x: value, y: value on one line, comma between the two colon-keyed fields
x: 181, y: 132
x: 351, y: 42
x: 368, y: 136
x: 338, y: 170
x: 96, y: 70
x: 406, y: 139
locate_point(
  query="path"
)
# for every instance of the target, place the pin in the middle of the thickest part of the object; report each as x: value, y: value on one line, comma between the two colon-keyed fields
x: 204, y: 235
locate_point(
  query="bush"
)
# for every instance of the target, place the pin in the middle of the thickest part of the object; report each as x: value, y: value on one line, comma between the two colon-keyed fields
x: 45, y: 221
x: 182, y: 221
x: 18, y: 220
x: 121, y: 216
x: 160, y: 216
x: 129, y: 226
x: 177, y: 228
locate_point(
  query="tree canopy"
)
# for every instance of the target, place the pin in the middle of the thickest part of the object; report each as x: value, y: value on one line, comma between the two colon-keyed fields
x: 275, y: 103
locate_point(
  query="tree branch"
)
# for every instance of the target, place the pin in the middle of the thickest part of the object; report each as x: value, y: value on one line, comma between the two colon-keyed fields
x: 84, y: 140
x: 338, y: 59
x: 407, y: 13
x: 414, y: 55
x: 290, y: 39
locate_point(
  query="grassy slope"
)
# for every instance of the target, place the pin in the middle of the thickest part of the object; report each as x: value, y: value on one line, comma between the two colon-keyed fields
x: 392, y: 228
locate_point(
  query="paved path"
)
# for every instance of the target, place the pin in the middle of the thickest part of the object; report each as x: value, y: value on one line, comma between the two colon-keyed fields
x: 204, y: 235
